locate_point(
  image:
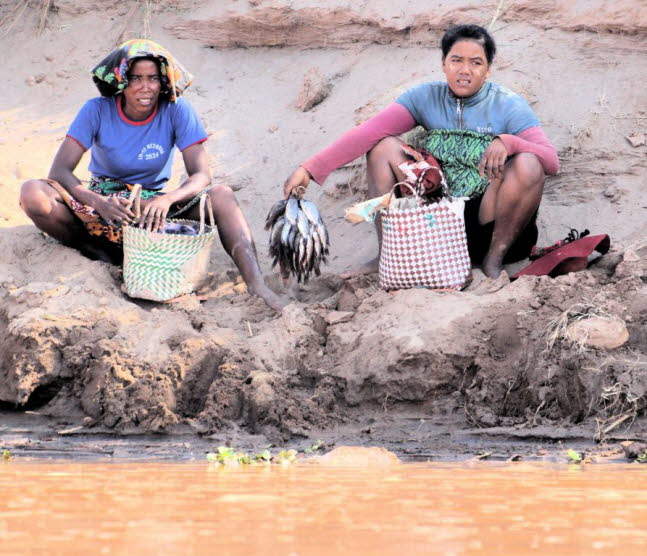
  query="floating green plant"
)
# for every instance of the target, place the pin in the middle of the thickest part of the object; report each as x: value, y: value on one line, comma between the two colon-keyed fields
x: 287, y: 456
x: 225, y: 455
x: 318, y: 445
x: 573, y: 456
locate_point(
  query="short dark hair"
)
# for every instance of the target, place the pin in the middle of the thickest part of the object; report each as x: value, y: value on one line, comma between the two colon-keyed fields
x: 471, y: 33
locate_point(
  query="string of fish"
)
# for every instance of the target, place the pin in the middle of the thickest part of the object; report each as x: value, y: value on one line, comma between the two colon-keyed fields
x: 299, y: 240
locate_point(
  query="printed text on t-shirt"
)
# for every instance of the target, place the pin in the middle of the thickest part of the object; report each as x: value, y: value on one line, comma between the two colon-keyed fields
x: 150, y: 151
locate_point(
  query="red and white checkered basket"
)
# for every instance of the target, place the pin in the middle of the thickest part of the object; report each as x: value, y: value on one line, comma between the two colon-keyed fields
x: 425, y: 246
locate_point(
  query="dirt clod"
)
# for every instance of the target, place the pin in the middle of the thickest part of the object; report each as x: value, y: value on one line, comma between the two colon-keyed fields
x: 314, y: 90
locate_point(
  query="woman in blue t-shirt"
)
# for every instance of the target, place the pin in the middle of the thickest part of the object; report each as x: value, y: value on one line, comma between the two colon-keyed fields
x: 132, y: 131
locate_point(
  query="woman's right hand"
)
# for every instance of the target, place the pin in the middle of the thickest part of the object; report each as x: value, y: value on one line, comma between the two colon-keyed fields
x: 115, y: 211
x: 299, y: 178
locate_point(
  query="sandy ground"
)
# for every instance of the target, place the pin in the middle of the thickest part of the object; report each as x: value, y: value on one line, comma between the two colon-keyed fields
x: 345, y: 362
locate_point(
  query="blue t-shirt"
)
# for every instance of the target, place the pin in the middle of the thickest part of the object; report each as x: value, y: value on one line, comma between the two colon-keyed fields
x: 493, y: 110
x: 135, y: 152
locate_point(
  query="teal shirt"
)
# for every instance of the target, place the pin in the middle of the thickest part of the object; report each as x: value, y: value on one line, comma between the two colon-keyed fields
x: 493, y: 110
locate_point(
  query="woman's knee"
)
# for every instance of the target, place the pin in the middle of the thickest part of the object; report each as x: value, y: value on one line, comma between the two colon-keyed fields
x: 528, y: 169
x: 222, y: 198
x: 221, y: 193
x: 385, y: 149
x: 33, y: 198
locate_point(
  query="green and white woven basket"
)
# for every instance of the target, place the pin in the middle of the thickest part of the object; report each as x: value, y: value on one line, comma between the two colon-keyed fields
x: 160, y: 266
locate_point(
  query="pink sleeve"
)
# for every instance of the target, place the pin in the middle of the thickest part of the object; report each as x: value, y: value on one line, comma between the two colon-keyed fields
x: 395, y: 119
x: 533, y: 140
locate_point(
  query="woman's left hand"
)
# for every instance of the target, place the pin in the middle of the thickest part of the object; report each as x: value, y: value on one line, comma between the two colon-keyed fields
x: 154, y: 214
x: 493, y: 161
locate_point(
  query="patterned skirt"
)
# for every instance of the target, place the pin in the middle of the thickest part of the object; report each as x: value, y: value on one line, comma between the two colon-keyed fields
x: 459, y: 152
x: 107, y: 187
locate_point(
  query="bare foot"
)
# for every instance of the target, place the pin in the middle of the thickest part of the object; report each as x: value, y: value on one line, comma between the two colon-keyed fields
x: 267, y: 295
x: 492, y: 267
x: 367, y: 268
x: 490, y: 285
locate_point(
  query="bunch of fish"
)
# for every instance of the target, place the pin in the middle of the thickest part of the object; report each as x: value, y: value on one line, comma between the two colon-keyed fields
x: 299, y: 240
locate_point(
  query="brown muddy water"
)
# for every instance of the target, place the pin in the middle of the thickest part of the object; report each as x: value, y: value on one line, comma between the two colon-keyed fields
x: 139, y: 508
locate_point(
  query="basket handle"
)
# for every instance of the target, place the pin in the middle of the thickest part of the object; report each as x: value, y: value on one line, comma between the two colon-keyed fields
x: 136, y: 197
x: 412, y: 189
x: 206, y: 200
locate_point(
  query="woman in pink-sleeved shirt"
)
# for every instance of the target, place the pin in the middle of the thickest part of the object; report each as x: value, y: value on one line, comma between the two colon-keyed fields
x: 500, y: 161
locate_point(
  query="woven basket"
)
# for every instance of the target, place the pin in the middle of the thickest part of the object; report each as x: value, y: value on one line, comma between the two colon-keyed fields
x: 424, y: 245
x: 160, y: 266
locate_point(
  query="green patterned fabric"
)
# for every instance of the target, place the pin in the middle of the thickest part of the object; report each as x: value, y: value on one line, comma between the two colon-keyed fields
x: 108, y: 187
x: 459, y: 152
x: 160, y: 267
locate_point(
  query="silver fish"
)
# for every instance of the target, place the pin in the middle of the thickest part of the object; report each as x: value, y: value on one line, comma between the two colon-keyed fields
x: 287, y: 251
x: 303, y: 225
x: 275, y: 212
x: 311, y: 211
x: 309, y: 258
x: 303, y: 266
x: 310, y: 247
x: 295, y: 253
x: 323, y: 235
x: 316, y: 244
x: 292, y: 210
x: 303, y: 252
x: 285, y: 233
x: 275, y: 234
x: 293, y: 240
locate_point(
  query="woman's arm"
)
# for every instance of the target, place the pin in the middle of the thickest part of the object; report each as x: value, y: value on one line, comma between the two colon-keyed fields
x: 196, y: 163
x: 533, y: 140
x: 395, y: 119
x: 67, y: 158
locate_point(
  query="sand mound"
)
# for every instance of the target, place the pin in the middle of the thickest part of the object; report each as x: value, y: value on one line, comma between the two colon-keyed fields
x: 76, y: 343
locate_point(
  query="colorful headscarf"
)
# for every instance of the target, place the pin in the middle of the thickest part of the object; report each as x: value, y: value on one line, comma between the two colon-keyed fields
x: 111, y: 74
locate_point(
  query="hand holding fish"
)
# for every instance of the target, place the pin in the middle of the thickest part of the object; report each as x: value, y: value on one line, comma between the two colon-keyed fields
x: 299, y: 178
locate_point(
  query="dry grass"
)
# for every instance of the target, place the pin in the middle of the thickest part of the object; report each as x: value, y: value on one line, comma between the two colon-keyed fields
x: 45, y: 7
x: 618, y: 398
x: 557, y: 327
x: 604, y: 104
x: 147, y: 9
x: 16, y: 13
x: 357, y: 180
x: 499, y: 10
x: 350, y: 180
x: 121, y: 37
x: 618, y: 402
x: 144, y: 30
